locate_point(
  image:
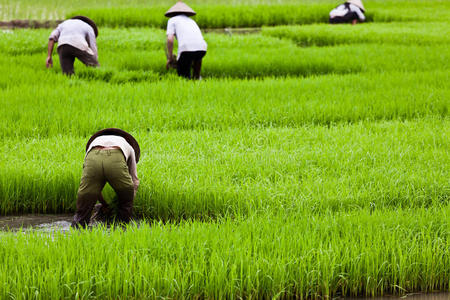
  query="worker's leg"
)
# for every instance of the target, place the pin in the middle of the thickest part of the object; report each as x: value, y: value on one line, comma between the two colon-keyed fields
x: 338, y: 20
x: 184, y: 64
x: 198, y: 63
x: 86, y: 58
x: 118, y: 176
x: 91, y: 185
x: 66, y: 59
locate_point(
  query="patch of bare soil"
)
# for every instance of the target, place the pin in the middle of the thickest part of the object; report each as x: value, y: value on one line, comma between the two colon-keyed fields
x: 42, y: 222
x: 13, y: 24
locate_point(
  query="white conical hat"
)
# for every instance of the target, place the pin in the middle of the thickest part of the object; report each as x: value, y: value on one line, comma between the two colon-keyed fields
x: 357, y: 3
x: 180, y: 7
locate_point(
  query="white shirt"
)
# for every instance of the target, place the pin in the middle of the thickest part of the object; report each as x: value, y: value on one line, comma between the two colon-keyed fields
x: 341, y: 11
x: 187, y: 33
x: 76, y: 33
x: 127, y: 150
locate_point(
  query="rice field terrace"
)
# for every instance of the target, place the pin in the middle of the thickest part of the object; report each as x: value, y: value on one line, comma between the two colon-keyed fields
x: 310, y: 162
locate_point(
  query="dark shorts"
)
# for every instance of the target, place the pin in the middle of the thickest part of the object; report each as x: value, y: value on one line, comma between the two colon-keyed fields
x: 67, y: 55
x: 187, y: 58
x: 347, y: 18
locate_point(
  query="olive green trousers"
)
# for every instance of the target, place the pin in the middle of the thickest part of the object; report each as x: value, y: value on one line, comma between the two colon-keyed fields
x: 101, y: 166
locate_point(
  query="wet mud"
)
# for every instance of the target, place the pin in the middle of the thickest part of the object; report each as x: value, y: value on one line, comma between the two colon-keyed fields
x: 36, y: 222
x: 231, y: 31
x: 411, y: 296
x: 29, y: 24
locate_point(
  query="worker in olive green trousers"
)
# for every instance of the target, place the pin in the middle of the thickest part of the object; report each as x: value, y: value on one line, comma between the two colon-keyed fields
x: 111, y: 156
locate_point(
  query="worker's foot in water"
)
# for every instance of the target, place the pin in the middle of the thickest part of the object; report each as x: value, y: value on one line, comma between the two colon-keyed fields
x: 101, y: 214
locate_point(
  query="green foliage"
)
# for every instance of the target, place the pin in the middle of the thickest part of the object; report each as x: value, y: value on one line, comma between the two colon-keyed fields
x: 217, y: 16
x: 279, y: 255
x: 220, y: 16
x: 380, y: 33
x: 204, y: 173
x: 310, y: 162
x: 237, y: 56
x: 216, y: 104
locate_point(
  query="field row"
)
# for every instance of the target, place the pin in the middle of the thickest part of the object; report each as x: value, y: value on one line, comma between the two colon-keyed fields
x: 409, y: 33
x: 138, y: 55
x: 201, y: 174
x: 219, y: 13
x: 280, y: 255
x: 27, y: 41
x: 222, y: 16
x: 79, y: 108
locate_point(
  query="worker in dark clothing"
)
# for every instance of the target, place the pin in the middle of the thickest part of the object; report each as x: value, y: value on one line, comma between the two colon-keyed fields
x: 76, y: 38
x: 111, y: 156
x: 351, y: 11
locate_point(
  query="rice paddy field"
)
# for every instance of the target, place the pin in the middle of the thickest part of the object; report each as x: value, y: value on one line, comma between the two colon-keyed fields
x: 310, y: 162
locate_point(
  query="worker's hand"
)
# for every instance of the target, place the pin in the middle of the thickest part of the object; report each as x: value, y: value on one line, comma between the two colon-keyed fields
x: 169, y: 62
x: 49, y: 62
x: 136, y: 184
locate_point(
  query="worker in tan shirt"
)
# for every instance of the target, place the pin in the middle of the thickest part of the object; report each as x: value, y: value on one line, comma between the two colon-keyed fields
x: 76, y: 38
x: 111, y: 156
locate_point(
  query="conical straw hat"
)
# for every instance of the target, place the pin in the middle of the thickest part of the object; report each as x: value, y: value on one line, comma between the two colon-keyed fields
x: 357, y: 3
x: 180, y: 8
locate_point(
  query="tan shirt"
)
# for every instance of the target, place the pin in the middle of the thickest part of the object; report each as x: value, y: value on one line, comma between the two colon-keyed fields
x: 77, y: 34
x: 127, y: 150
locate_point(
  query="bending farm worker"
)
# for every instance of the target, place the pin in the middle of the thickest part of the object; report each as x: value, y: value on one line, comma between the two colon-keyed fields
x: 351, y: 11
x: 76, y: 38
x: 191, y: 45
x: 111, y: 156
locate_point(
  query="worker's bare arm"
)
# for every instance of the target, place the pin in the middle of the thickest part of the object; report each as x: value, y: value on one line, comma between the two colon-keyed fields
x: 49, y: 61
x: 170, y: 41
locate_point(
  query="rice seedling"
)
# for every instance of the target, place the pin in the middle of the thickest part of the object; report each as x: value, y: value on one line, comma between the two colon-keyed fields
x: 235, y: 172
x: 392, y: 33
x: 213, y: 104
x: 219, y: 16
x: 244, y: 56
x: 58, y: 9
x: 318, y: 171
x: 277, y: 255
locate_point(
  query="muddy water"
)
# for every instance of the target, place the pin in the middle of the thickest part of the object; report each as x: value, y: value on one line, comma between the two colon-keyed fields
x: 413, y: 296
x: 36, y: 222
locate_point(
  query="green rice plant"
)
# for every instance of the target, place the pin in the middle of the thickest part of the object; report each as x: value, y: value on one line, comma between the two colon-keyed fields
x: 324, y: 176
x: 392, y: 33
x: 216, y: 16
x: 240, y: 56
x: 283, y: 254
x: 58, y: 9
x: 174, y: 104
x: 219, y: 16
x: 252, y: 12
x: 198, y: 174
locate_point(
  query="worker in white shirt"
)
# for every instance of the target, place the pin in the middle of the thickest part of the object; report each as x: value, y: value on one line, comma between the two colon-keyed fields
x: 111, y: 156
x: 351, y: 11
x: 76, y: 38
x: 191, y: 45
